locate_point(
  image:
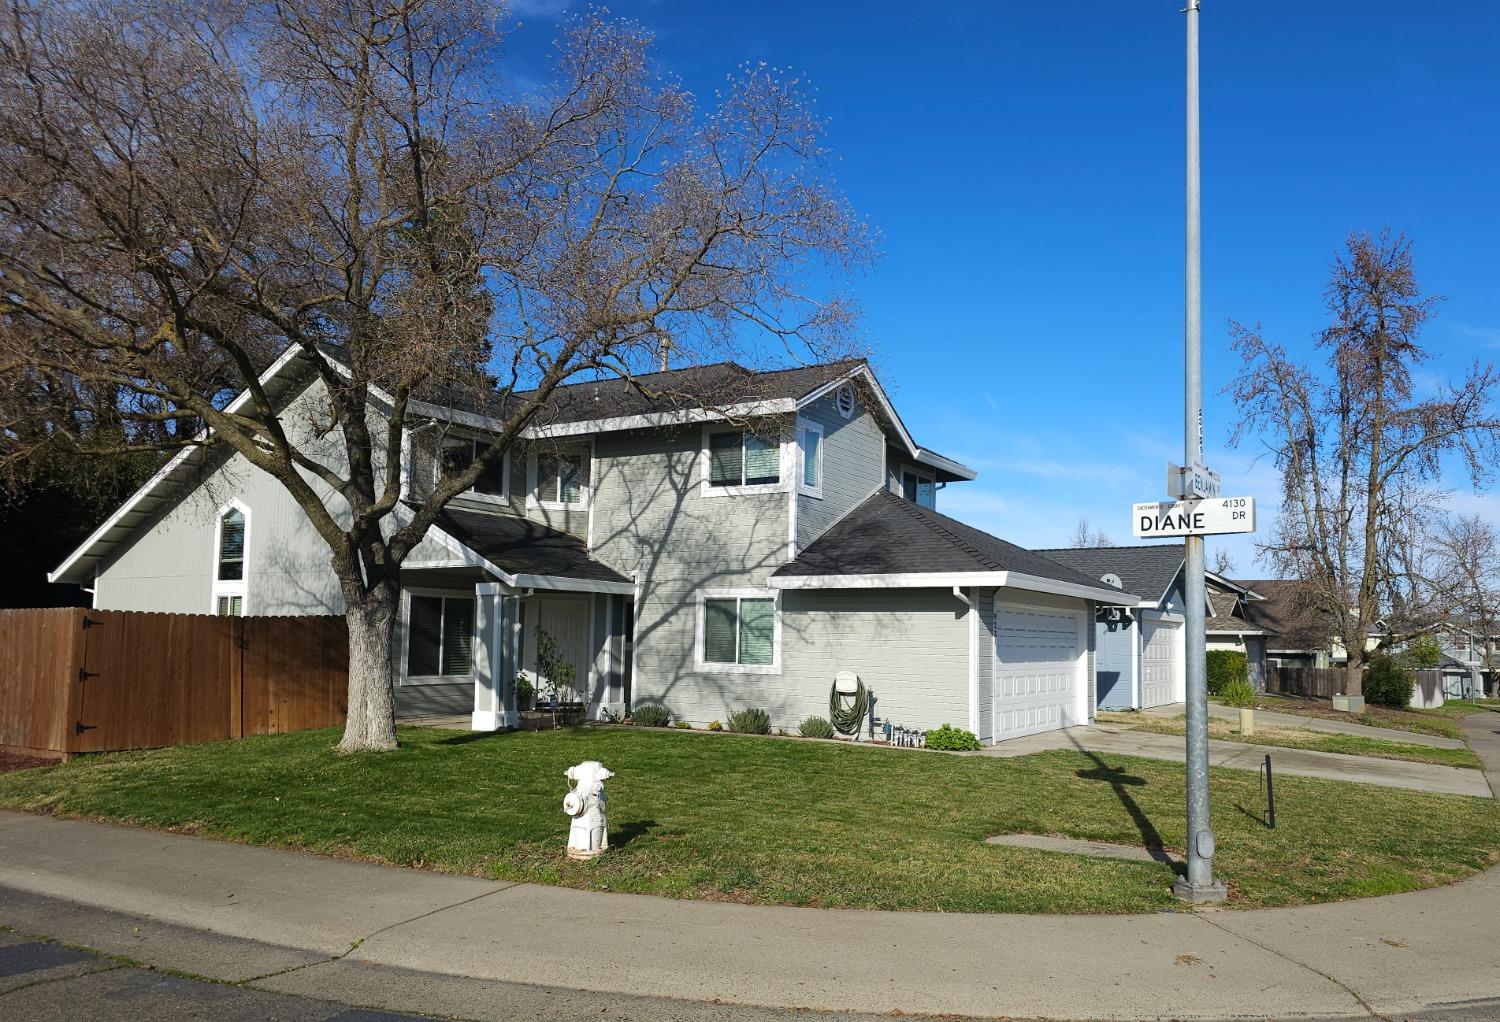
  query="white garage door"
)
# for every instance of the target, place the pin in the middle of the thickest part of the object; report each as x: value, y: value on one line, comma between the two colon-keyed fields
x: 1036, y: 682
x: 1161, y: 641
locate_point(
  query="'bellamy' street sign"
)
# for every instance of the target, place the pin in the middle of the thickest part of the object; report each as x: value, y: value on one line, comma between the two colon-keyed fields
x: 1191, y: 482
x: 1217, y: 517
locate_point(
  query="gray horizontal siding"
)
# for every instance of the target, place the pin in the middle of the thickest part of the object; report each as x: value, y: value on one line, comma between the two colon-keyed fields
x: 853, y: 467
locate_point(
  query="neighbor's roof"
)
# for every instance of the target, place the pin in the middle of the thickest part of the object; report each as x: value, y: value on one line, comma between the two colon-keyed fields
x: 1149, y: 569
x: 889, y: 540
x: 525, y: 549
x: 1223, y: 619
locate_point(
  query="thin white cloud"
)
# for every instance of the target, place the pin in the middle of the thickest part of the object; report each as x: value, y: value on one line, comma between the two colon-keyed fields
x: 1486, y: 335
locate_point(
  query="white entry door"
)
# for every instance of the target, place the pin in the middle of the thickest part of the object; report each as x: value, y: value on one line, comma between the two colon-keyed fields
x: 1160, y: 645
x: 1038, y: 666
x: 566, y: 619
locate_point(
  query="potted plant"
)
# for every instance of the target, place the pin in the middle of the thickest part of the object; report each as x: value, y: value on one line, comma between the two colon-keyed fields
x: 1241, y: 694
x: 525, y: 693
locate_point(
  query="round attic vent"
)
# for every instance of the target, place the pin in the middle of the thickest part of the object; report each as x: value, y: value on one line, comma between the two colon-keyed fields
x: 843, y: 400
x: 1111, y: 579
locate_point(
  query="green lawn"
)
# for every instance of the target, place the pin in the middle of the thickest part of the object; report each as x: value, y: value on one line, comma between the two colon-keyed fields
x: 1441, y: 721
x: 780, y: 821
x: 1302, y: 738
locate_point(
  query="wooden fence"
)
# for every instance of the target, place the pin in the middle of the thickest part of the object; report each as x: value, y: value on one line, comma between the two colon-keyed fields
x: 1325, y: 682
x: 75, y: 680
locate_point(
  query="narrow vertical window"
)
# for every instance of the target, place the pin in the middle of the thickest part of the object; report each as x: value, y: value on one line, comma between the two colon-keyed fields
x: 230, y: 575
x: 810, y: 457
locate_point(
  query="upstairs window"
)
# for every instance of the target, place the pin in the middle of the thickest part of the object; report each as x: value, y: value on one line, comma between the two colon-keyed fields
x: 460, y: 452
x: 743, y: 459
x: 229, y: 577
x: 919, y: 489
x: 440, y: 636
x: 810, y: 458
x: 232, y: 546
x: 560, y: 479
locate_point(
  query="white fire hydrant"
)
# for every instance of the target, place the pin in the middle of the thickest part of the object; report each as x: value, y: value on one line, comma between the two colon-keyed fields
x: 588, y: 836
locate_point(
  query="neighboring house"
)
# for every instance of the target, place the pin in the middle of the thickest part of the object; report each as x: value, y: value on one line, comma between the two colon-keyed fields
x: 1289, y: 639
x: 1141, y: 659
x: 674, y: 554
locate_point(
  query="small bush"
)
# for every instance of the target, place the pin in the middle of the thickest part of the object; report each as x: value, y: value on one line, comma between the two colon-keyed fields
x: 684, y: 725
x: 815, y: 727
x: 652, y: 716
x: 714, y: 725
x: 1239, y: 693
x: 1225, y: 666
x: 952, y: 739
x: 1387, y: 682
x: 752, y: 720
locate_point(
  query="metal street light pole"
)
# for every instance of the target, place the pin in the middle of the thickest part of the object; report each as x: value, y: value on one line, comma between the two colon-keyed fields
x: 1199, y: 885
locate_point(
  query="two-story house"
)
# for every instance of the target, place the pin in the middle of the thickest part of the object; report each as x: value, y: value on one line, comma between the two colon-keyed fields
x: 719, y: 539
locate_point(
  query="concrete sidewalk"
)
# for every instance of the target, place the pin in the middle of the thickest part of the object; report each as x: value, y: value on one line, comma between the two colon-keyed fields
x: 1270, y: 718
x: 405, y: 940
x: 1122, y: 740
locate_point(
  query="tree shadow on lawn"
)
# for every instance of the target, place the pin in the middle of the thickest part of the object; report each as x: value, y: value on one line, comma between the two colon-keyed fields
x: 1121, y: 782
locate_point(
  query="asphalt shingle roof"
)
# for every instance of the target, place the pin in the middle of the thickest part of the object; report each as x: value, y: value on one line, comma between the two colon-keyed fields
x: 1147, y: 570
x: 1223, y: 619
x: 888, y: 534
x: 523, y: 547
x: 708, y: 386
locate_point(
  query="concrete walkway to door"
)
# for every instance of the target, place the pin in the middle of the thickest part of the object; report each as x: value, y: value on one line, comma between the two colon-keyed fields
x: 1124, y: 741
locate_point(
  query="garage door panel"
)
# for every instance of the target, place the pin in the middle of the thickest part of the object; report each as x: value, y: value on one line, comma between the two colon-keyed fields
x: 1159, y: 662
x: 1036, y: 671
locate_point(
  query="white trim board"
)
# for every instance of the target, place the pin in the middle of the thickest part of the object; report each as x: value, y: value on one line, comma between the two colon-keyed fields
x: 947, y: 580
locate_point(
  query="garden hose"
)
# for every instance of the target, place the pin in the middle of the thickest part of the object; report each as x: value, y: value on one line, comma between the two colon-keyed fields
x: 846, y: 718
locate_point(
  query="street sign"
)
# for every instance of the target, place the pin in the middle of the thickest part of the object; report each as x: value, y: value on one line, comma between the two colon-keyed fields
x: 1192, y: 482
x: 1219, y: 516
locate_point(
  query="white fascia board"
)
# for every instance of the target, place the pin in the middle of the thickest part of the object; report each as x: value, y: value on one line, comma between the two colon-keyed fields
x: 574, y: 585
x: 653, y: 420
x: 918, y: 454
x: 948, y: 465
x: 1037, y: 584
x: 162, y: 474
x: 880, y: 396
x: 466, y: 556
x: 947, y: 580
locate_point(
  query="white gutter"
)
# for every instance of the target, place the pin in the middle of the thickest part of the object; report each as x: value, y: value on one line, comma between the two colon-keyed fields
x: 948, y: 579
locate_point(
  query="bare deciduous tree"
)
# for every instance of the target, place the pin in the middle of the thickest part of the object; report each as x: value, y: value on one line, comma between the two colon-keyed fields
x: 1223, y: 563
x: 187, y: 192
x: 1084, y: 535
x: 1469, y: 554
x: 1361, y: 453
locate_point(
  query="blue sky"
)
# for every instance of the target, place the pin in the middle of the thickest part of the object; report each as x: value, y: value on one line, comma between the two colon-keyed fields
x: 1023, y: 163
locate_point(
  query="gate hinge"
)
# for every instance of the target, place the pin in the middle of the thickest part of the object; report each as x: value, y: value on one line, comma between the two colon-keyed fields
x: 84, y: 675
x: 80, y: 727
x: 89, y: 622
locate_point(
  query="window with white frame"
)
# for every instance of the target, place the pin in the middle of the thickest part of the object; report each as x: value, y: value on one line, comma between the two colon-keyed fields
x: 229, y: 561
x: 918, y: 488
x: 738, y: 630
x: 439, y: 635
x: 561, y: 479
x: 459, y: 452
x: 743, y: 458
x: 810, y: 458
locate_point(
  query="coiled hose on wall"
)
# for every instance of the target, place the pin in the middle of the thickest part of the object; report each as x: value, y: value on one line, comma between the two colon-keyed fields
x: 846, y: 713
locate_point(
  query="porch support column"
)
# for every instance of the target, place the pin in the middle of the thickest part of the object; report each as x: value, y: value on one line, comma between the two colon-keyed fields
x: 488, y: 662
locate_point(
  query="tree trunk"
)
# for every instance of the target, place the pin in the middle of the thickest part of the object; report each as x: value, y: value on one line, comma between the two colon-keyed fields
x: 1353, y: 676
x: 371, y: 724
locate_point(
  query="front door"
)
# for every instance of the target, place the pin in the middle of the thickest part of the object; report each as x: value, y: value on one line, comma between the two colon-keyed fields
x: 566, y: 620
